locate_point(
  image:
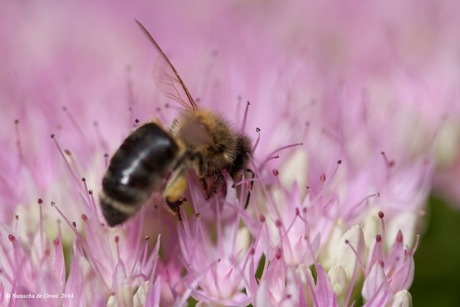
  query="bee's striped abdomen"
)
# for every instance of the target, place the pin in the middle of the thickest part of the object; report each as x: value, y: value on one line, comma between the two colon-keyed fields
x: 137, y: 168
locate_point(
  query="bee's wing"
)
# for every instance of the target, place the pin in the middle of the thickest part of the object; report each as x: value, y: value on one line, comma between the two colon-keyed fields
x: 167, y: 78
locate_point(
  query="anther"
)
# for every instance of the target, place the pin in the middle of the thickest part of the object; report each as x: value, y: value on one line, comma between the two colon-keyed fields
x: 74, y: 224
x: 56, y: 242
x: 11, y: 238
x: 262, y: 218
x: 278, y: 223
x: 322, y: 178
x: 198, y: 215
x: 278, y: 254
x: 67, y: 152
x: 84, y: 217
x: 275, y: 172
x: 381, y: 215
x: 40, y: 201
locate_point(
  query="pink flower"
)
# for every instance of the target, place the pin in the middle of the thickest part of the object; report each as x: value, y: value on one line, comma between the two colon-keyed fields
x: 346, y: 111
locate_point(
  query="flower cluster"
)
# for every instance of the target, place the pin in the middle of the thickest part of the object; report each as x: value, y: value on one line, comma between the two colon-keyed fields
x: 349, y: 133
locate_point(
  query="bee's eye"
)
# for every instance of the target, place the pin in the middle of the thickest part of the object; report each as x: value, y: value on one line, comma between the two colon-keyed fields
x: 220, y: 148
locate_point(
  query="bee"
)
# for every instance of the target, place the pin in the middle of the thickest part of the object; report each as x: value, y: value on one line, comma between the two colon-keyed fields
x: 198, y: 139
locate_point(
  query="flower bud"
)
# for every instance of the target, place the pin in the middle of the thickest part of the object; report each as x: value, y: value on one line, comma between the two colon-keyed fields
x: 338, y: 279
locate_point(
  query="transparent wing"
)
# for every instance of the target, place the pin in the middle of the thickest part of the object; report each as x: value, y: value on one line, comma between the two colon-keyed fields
x: 167, y: 79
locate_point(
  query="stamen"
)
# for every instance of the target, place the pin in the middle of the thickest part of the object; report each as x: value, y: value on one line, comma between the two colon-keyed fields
x: 268, y: 196
x: 356, y: 208
x: 339, y: 162
x: 381, y: 215
x: 388, y: 163
x: 351, y: 286
x: 16, y: 217
x: 331, y: 135
x: 245, y: 116
x: 101, y: 140
x: 257, y: 140
x: 357, y: 256
x: 93, y: 204
x: 40, y: 202
x: 18, y: 141
x: 77, y: 127
x: 194, y: 284
x: 273, y: 156
x: 53, y: 204
x: 65, y: 160
x: 85, y: 186
x: 131, y: 98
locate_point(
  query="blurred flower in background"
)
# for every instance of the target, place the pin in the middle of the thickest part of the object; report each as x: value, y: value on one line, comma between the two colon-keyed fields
x: 353, y: 112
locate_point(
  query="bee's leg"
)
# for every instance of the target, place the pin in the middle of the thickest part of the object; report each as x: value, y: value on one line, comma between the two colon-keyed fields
x: 204, y: 187
x: 208, y: 186
x: 175, y: 189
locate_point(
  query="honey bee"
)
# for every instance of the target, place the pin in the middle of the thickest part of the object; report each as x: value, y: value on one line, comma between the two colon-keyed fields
x: 199, y: 139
